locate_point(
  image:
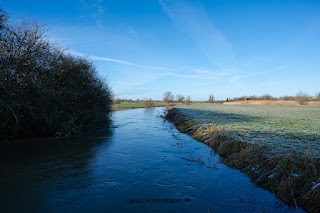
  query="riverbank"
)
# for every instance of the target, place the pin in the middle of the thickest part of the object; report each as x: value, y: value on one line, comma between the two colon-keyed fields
x: 275, y: 162
x: 125, y: 106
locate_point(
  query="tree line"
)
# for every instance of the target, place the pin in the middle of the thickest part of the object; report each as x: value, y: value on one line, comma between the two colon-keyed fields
x: 168, y: 97
x: 300, y: 97
x: 43, y: 90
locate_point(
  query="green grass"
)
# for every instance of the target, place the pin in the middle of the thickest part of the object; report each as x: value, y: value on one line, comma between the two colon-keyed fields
x: 283, y: 128
x: 125, y: 106
x: 133, y: 105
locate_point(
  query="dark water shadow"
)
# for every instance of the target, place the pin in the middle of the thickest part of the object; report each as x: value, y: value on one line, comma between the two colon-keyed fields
x: 40, y: 148
x: 26, y: 159
x: 29, y: 167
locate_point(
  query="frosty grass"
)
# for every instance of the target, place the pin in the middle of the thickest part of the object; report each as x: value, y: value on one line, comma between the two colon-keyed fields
x: 283, y: 128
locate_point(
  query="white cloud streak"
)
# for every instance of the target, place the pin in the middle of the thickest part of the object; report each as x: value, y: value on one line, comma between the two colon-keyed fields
x: 93, y: 57
x: 192, y: 76
x: 193, y: 20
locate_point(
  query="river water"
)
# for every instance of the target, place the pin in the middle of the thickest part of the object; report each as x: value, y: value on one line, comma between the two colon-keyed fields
x: 141, y: 164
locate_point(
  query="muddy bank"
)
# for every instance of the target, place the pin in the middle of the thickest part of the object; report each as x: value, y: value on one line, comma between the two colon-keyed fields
x: 293, y: 177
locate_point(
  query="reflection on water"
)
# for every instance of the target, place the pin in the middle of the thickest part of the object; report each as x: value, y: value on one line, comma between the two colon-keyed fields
x: 140, y: 164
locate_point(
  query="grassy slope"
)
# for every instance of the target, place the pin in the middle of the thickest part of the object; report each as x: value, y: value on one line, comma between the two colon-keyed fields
x: 277, y: 146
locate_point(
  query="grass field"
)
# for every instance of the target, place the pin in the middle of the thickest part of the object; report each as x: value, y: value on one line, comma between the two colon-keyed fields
x: 127, y: 106
x: 282, y: 127
x: 133, y: 105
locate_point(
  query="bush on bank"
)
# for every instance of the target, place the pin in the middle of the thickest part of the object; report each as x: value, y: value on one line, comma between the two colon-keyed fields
x: 43, y: 91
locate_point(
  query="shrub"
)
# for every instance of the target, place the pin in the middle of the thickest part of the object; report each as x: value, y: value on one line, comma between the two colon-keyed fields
x: 302, y: 98
x: 180, y: 98
x: 168, y: 97
x: 149, y: 103
x: 266, y: 97
x: 211, y: 99
x: 188, y: 100
x: 288, y: 98
x: 45, y: 92
x: 117, y: 101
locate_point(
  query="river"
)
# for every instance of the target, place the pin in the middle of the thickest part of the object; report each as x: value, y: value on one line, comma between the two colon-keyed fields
x: 141, y: 164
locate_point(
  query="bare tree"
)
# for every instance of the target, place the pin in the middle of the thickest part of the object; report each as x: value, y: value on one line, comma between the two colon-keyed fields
x: 180, y: 98
x: 302, y: 98
x: 188, y: 100
x: 317, y: 97
x: 211, y: 99
x: 168, y: 97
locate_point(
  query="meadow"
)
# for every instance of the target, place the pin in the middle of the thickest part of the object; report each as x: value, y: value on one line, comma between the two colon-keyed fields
x: 281, y: 127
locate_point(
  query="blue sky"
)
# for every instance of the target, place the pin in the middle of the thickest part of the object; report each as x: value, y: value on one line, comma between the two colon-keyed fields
x: 201, y: 47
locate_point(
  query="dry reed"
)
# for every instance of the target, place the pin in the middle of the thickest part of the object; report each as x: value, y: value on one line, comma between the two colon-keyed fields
x: 271, y: 102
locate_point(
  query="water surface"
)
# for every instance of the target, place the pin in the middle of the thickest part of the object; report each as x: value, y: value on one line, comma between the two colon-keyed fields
x: 141, y: 164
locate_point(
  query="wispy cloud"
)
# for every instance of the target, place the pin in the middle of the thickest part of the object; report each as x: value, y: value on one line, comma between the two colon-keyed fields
x: 93, y: 4
x: 132, y: 32
x: 93, y: 57
x: 136, y: 91
x: 200, y: 77
x: 204, y: 84
x: 201, y: 71
x: 235, y: 78
x: 96, y: 5
x: 215, y: 73
x: 193, y: 20
x: 189, y: 76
